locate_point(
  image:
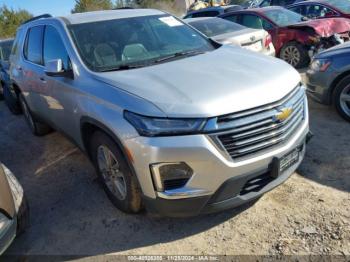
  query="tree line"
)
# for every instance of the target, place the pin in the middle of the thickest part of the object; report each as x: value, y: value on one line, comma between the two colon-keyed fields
x: 10, y: 18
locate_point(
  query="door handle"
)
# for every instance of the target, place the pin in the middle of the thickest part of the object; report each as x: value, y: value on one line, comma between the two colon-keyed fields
x: 19, y: 68
x: 42, y: 79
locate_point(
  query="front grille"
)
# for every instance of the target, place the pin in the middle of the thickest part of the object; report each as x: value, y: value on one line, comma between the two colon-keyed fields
x: 257, y: 130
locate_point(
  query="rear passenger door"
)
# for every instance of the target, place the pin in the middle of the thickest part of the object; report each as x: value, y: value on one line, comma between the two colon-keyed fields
x: 32, y: 69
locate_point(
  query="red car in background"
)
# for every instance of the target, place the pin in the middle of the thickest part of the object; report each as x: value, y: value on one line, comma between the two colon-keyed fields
x: 295, y: 37
x: 322, y: 8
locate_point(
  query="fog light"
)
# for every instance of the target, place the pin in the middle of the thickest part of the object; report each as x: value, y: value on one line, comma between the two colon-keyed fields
x: 168, y: 176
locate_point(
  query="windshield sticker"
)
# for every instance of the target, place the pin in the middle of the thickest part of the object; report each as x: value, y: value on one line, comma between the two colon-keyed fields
x: 170, y: 21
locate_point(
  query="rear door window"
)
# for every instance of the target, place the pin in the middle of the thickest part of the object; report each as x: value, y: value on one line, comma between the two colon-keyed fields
x: 33, y: 47
x: 252, y: 21
x: 233, y: 18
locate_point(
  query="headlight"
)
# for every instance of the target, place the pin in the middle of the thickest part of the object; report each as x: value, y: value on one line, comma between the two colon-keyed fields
x: 320, y: 65
x: 157, y: 126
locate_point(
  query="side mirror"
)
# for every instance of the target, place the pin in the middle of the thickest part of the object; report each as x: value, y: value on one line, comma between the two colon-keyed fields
x: 54, y: 68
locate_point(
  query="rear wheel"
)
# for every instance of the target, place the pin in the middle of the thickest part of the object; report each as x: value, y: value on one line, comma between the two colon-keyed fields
x: 295, y: 54
x: 37, y: 128
x: 11, y: 102
x: 120, y: 185
x: 342, y: 98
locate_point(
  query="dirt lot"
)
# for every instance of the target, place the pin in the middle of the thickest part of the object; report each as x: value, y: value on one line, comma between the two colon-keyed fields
x: 70, y: 214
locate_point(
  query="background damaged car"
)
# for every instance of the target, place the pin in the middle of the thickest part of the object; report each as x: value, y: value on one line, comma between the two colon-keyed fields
x: 295, y: 38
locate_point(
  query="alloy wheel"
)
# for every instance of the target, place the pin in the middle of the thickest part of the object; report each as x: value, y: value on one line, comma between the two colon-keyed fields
x: 345, y: 100
x: 291, y: 55
x: 110, y: 170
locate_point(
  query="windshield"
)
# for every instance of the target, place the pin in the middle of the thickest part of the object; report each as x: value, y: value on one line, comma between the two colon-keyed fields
x: 134, y: 42
x: 5, y: 50
x: 342, y: 5
x: 216, y: 26
x: 283, y: 17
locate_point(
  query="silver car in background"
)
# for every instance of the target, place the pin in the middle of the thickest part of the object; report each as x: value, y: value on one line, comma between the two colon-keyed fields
x: 226, y: 32
x: 171, y: 120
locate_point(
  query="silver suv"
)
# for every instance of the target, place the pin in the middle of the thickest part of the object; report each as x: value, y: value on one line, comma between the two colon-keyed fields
x: 171, y: 120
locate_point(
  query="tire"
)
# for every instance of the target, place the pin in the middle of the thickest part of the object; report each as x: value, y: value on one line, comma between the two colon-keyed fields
x: 120, y: 185
x: 37, y: 128
x: 11, y: 102
x: 295, y: 54
x: 341, y: 98
x: 21, y: 203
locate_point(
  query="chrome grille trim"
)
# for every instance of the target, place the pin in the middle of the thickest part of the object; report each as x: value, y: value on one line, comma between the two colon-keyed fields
x: 256, y: 130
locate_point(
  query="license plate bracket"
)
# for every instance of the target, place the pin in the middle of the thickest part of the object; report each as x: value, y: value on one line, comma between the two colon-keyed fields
x: 279, y: 165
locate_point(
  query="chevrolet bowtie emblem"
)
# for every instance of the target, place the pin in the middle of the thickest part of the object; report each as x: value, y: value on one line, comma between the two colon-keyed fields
x: 284, y: 114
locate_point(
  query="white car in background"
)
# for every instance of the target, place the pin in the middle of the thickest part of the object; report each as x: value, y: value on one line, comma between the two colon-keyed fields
x: 226, y: 32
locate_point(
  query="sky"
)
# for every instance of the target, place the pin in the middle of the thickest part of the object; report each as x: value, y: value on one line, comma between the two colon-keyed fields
x: 38, y: 7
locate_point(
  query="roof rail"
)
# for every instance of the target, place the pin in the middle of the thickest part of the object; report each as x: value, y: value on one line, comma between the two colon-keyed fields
x: 121, y: 8
x: 37, y: 18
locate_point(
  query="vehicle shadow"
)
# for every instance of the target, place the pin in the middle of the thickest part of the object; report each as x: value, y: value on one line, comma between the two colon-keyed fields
x: 327, y: 159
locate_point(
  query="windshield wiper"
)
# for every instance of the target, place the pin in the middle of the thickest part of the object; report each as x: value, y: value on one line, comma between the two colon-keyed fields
x: 122, y: 67
x: 178, y: 54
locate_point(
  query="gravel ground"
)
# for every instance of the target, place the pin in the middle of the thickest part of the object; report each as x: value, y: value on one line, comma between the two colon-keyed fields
x: 70, y: 214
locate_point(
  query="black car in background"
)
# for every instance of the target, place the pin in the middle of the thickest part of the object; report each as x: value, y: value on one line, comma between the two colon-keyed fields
x: 212, y: 11
x: 5, y: 51
x: 328, y: 78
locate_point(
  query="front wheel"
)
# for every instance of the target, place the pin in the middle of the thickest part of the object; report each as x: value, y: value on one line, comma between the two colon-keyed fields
x: 342, y: 98
x: 120, y: 185
x: 295, y: 54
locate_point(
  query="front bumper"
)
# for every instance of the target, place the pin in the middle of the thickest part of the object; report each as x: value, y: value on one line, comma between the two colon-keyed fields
x: 319, y: 85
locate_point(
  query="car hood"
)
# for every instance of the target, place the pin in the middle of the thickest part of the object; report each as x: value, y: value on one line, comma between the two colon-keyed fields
x: 325, y: 27
x: 227, y: 80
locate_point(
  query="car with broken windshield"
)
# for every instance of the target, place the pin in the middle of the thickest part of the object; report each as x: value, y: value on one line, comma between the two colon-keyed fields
x: 295, y: 38
x: 171, y: 120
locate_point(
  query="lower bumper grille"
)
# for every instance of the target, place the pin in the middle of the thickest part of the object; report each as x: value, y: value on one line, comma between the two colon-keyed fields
x: 263, y: 128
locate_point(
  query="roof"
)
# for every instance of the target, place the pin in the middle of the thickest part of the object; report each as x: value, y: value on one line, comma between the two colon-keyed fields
x: 190, y: 20
x: 213, y: 8
x: 259, y: 10
x: 97, y: 16
x: 6, y: 40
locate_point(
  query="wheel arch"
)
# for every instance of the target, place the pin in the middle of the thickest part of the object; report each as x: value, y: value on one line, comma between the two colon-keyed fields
x: 88, y: 126
x: 334, y: 84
